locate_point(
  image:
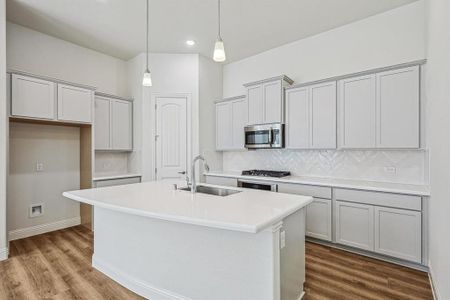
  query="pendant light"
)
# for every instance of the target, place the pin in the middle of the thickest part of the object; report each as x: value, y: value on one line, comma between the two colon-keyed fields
x: 147, y: 79
x: 219, y: 48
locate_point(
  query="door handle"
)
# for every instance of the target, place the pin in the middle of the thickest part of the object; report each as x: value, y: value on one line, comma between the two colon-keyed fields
x: 182, y: 172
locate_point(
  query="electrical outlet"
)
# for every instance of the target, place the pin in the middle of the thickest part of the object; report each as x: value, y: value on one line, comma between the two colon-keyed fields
x: 39, y: 167
x: 390, y: 169
x: 282, y: 239
x: 36, y: 210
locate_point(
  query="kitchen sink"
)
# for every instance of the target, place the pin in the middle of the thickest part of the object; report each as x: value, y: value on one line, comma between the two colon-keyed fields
x: 212, y: 190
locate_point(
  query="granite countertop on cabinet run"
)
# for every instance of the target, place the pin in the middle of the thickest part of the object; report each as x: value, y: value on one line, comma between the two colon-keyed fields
x: 389, y: 187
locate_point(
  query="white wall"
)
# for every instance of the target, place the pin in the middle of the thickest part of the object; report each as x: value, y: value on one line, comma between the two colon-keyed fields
x: 389, y: 38
x: 58, y: 148
x: 41, y: 54
x: 438, y: 97
x: 3, y: 132
x: 171, y: 73
x: 210, y: 83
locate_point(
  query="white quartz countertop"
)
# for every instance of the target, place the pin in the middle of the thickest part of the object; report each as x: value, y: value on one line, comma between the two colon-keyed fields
x: 410, y: 189
x: 247, y: 211
x: 99, y: 177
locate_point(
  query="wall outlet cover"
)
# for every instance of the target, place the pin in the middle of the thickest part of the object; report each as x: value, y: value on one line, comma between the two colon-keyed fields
x: 390, y: 169
x: 39, y: 167
x: 36, y: 210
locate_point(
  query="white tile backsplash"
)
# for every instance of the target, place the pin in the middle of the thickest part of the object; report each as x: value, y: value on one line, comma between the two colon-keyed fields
x: 111, y: 163
x: 398, y: 166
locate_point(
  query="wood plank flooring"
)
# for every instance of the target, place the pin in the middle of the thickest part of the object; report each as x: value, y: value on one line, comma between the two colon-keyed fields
x: 57, y: 265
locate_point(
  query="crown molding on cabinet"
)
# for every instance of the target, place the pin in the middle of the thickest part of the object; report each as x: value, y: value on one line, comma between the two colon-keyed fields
x: 362, y: 73
x: 230, y: 98
x: 48, y: 78
x: 113, y: 96
x: 281, y: 77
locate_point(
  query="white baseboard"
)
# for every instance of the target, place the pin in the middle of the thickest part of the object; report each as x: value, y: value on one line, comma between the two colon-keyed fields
x: 433, y: 286
x: 39, y: 229
x: 141, y: 288
x: 3, y: 254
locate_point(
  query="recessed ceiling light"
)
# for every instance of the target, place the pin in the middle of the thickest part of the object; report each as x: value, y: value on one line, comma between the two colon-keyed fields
x: 190, y: 42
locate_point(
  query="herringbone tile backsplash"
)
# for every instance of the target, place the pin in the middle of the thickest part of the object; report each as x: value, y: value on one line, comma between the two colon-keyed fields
x: 410, y: 166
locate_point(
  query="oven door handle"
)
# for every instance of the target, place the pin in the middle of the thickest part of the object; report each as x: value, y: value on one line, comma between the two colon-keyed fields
x: 270, y: 136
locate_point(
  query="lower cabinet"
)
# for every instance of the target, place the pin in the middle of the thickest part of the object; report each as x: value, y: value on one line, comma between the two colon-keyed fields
x: 398, y: 233
x: 318, y: 219
x: 354, y: 225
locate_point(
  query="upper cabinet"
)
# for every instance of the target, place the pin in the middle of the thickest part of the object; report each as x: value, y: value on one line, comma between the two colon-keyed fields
x: 380, y: 110
x: 74, y: 104
x: 266, y: 100
x: 231, y: 118
x: 43, y: 99
x: 113, y: 124
x: 311, y: 116
x: 33, y: 98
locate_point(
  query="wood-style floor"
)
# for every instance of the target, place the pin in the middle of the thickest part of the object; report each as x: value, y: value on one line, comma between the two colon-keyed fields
x: 57, y: 265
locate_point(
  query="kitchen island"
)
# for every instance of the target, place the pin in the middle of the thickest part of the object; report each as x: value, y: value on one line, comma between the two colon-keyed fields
x: 167, y: 243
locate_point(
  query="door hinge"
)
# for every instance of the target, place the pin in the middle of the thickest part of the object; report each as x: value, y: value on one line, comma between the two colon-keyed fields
x: 156, y: 136
x: 156, y: 171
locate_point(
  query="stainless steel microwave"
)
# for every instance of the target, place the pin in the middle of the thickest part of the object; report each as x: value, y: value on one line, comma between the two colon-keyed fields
x: 265, y: 136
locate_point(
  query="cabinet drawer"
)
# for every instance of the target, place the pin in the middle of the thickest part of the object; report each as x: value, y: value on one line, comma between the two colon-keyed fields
x: 221, y: 181
x: 380, y: 199
x: 118, y: 181
x: 306, y: 190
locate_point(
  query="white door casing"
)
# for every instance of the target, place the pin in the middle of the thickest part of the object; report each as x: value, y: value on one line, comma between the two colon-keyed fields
x: 171, y: 140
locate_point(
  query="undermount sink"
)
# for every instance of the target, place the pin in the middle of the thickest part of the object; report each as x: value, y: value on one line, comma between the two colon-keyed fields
x: 212, y: 190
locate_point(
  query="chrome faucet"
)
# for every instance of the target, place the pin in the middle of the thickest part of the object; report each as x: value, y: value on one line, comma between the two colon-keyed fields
x: 205, y: 165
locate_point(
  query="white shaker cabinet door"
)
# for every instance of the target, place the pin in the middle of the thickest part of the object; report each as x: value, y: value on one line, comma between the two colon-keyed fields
x: 273, y: 102
x: 357, y: 105
x: 398, y: 233
x: 224, y: 139
x: 354, y: 225
x: 255, y: 104
x: 298, y: 118
x: 32, y: 97
x: 318, y: 219
x: 74, y: 104
x: 323, y: 116
x: 102, y: 123
x: 239, y: 121
x: 121, y: 128
x: 398, y: 108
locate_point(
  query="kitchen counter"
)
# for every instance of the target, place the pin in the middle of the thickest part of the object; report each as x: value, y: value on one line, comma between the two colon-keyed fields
x: 247, y: 211
x: 99, y: 177
x: 164, y: 243
x: 399, y: 188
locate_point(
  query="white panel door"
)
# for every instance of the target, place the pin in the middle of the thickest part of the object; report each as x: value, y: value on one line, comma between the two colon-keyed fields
x: 398, y: 108
x: 102, y: 123
x: 318, y: 219
x: 171, y: 142
x: 74, y: 104
x: 354, y: 225
x: 239, y: 120
x: 121, y: 125
x: 273, y: 102
x: 323, y: 116
x: 398, y: 233
x: 357, y: 106
x: 255, y: 104
x: 224, y: 131
x: 32, y: 97
x: 298, y: 118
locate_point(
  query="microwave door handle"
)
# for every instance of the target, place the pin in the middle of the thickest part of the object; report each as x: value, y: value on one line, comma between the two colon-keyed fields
x: 270, y: 136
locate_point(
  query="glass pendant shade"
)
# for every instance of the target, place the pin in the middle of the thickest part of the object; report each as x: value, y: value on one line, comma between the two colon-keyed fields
x: 219, y: 51
x: 147, y: 80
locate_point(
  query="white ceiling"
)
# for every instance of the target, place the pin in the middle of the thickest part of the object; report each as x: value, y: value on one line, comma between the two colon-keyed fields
x: 117, y: 27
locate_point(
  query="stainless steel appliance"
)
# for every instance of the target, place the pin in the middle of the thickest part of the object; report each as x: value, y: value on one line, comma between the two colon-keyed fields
x: 257, y: 185
x: 266, y: 136
x: 266, y: 173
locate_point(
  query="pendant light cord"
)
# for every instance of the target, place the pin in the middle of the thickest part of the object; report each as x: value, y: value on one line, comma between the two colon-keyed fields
x: 146, y: 52
x: 218, y: 14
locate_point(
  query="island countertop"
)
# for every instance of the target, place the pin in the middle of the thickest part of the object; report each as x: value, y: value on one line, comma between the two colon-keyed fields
x: 248, y: 211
